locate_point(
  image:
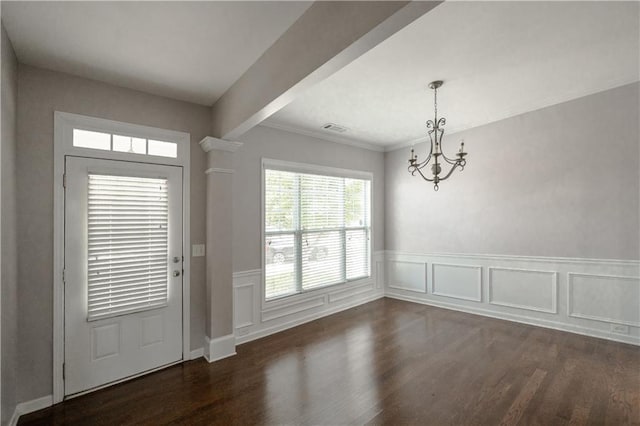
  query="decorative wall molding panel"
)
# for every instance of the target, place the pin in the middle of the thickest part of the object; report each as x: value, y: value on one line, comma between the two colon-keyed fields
x: 351, y: 292
x: 244, y: 299
x: 524, y: 289
x: 254, y: 318
x: 594, y: 297
x: 457, y: 281
x: 379, y: 266
x: 293, y: 307
x: 618, y: 305
x: 407, y: 275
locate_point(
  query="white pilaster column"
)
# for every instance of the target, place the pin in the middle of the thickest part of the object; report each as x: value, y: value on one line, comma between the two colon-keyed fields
x: 219, y: 341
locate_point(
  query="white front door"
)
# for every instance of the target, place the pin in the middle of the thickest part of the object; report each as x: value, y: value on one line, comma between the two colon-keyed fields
x: 123, y: 270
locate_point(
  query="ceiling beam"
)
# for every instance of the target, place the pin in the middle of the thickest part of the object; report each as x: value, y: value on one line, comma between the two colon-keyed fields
x: 328, y: 36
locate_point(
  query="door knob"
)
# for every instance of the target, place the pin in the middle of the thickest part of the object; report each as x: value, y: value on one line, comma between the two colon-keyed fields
x: 176, y: 273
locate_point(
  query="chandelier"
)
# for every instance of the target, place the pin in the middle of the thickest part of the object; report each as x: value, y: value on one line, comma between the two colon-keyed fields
x: 435, y: 133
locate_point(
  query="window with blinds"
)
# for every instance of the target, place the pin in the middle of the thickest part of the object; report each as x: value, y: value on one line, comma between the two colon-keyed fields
x: 317, y: 231
x: 127, y: 244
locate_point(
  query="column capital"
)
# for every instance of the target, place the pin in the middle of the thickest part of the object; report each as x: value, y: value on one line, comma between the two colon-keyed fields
x: 209, y: 143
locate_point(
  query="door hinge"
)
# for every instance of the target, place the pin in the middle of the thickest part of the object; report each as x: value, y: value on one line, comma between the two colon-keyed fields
x: 64, y: 369
x: 63, y: 276
x: 64, y: 180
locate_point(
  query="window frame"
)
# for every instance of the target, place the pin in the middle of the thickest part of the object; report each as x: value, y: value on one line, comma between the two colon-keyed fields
x: 295, y: 167
x: 65, y: 123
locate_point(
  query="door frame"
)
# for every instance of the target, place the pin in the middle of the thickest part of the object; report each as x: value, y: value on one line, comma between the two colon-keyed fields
x: 64, y: 123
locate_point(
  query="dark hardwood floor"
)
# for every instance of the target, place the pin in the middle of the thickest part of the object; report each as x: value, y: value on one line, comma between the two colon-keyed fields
x: 386, y: 362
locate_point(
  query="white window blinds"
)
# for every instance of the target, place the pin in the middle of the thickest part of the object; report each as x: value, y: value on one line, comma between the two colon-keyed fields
x: 127, y: 244
x: 317, y: 231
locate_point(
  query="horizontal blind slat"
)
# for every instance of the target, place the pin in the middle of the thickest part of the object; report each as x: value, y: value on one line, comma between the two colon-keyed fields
x: 106, y: 290
x: 127, y: 260
x: 114, y: 279
x: 128, y: 295
x: 127, y: 244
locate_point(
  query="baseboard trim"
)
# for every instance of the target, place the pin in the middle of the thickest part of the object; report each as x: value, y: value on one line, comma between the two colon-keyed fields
x: 219, y: 347
x: 259, y: 334
x: 584, y: 331
x: 30, y: 407
x: 196, y: 353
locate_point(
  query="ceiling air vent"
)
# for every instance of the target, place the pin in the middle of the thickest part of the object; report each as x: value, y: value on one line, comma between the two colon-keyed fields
x: 334, y: 128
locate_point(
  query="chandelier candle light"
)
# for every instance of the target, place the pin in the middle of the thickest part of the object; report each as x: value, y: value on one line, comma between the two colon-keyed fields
x: 435, y: 133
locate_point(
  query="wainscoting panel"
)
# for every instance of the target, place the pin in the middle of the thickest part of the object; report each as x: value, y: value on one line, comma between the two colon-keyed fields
x: 255, y: 318
x: 380, y: 275
x: 407, y: 275
x: 457, y: 281
x: 586, y: 298
x: 350, y: 292
x: 293, y: 307
x: 524, y: 289
x: 593, y: 297
x: 243, y: 301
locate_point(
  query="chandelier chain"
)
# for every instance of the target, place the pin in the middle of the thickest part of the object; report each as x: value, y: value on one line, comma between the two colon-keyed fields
x: 435, y: 103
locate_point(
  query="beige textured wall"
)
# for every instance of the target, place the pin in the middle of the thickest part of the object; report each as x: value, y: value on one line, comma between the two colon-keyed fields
x: 562, y: 181
x: 264, y: 142
x: 9, y: 259
x: 40, y: 93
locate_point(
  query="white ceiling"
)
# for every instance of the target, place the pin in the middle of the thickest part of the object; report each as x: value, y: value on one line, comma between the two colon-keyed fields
x: 498, y: 59
x: 193, y: 51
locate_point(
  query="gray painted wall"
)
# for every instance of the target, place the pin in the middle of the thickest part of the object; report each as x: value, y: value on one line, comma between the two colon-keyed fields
x: 40, y: 93
x: 547, y: 183
x: 8, y: 267
x: 266, y: 142
x: 562, y: 181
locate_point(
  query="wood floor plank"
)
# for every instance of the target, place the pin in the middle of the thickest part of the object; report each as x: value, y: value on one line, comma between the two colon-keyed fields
x: 386, y: 362
x: 526, y: 394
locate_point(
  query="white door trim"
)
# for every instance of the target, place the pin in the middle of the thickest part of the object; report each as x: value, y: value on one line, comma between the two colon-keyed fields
x: 62, y: 147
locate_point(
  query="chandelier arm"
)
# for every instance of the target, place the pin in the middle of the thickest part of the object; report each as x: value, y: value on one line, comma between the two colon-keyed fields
x: 421, y: 174
x: 448, y: 160
x: 451, y: 171
x: 425, y: 161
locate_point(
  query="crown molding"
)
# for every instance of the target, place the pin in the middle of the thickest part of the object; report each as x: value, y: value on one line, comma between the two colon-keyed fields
x: 210, y: 143
x: 319, y: 135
